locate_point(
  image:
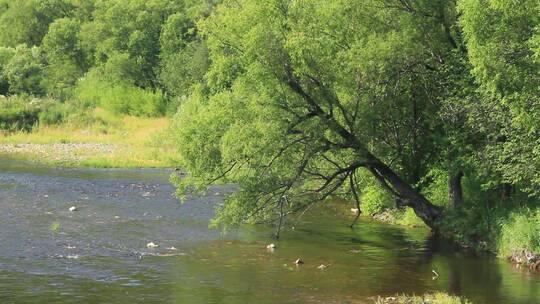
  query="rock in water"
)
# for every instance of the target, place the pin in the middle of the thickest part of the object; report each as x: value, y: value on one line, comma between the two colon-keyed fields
x: 152, y: 245
x: 299, y: 261
x: 322, y: 267
x: 271, y: 246
x: 73, y: 209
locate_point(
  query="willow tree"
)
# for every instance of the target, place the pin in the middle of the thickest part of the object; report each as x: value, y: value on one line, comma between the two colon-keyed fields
x: 302, y: 95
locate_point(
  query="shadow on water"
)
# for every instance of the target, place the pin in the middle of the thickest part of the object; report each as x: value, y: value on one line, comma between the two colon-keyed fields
x: 98, y: 254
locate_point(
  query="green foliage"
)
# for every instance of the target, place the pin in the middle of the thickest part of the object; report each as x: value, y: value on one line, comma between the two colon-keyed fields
x: 184, y: 58
x: 502, y: 43
x: 120, y: 98
x: 520, y: 232
x: 143, y: 47
x: 6, y: 53
x: 24, y: 71
x: 437, y: 191
x: 67, y: 60
x: 133, y: 28
x: 298, y: 101
x: 23, y: 113
x: 27, y: 21
x: 18, y: 114
x: 438, y: 298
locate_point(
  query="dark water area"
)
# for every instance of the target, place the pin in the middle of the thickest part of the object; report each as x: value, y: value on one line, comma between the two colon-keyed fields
x: 99, y: 253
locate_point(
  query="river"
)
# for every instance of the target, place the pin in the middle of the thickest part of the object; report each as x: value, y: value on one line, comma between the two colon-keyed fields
x: 99, y: 254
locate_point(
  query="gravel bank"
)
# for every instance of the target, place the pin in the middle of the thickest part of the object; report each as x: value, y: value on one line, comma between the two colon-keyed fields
x: 68, y: 152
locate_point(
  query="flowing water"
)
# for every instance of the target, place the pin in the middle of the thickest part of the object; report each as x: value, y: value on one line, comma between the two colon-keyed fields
x: 99, y: 253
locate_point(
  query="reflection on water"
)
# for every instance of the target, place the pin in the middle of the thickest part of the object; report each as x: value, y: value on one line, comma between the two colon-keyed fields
x: 99, y: 255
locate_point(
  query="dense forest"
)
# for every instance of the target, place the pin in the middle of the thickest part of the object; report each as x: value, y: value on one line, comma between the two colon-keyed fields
x: 425, y: 111
x: 129, y: 57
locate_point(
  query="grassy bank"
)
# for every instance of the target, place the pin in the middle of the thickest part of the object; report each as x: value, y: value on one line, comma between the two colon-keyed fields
x: 105, y: 140
x: 439, y: 298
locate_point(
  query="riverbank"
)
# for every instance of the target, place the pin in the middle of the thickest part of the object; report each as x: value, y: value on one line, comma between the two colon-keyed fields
x: 513, y: 237
x: 108, y: 142
x: 438, y: 298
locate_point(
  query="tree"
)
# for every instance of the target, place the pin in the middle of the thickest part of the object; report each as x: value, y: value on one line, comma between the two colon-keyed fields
x: 502, y: 39
x: 304, y: 94
x: 184, y: 56
x: 27, y: 21
x: 130, y: 27
x: 5, y: 56
x: 67, y: 61
x: 24, y: 71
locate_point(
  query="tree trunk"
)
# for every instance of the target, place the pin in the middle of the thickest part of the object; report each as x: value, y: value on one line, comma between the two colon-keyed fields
x: 506, y: 191
x: 455, y: 190
x: 405, y: 194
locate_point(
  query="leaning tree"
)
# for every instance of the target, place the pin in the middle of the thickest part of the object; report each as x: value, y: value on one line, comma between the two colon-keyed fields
x: 303, y: 95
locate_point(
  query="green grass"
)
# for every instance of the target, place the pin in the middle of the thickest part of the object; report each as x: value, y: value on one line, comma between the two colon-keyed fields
x: 520, y: 232
x: 437, y: 298
x: 138, y: 142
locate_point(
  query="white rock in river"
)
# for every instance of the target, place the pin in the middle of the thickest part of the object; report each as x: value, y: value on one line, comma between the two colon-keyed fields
x: 322, y: 267
x: 271, y: 246
x: 73, y: 209
x: 152, y: 245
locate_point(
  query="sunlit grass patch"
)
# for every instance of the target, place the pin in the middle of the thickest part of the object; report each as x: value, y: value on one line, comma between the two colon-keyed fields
x: 109, y: 141
x: 437, y: 298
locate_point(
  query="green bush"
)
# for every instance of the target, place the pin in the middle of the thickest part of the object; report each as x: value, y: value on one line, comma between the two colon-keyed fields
x: 121, y: 98
x: 520, y: 232
x: 375, y: 200
x: 18, y: 114
x: 437, y: 191
x: 23, y: 113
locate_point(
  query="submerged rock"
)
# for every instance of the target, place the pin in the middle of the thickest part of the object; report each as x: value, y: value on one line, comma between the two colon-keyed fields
x: 527, y: 258
x: 322, y: 267
x: 152, y: 245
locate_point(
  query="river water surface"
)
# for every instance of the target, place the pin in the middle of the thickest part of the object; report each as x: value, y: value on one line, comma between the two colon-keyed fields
x: 99, y: 253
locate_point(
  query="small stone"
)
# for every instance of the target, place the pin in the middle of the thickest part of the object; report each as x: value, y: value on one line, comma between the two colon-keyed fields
x: 152, y: 245
x: 299, y: 261
x: 116, y: 217
x: 322, y: 266
x: 147, y: 194
x: 73, y: 209
x: 172, y: 248
x: 271, y: 246
x: 355, y: 210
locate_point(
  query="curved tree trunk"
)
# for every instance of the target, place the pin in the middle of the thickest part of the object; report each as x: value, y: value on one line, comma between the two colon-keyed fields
x: 405, y: 194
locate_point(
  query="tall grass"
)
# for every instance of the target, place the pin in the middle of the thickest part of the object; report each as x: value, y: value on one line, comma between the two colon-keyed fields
x: 520, y: 232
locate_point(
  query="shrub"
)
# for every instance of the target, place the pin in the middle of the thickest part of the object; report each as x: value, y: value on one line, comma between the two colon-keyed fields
x: 375, y: 200
x: 23, y: 113
x: 437, y: 191
x: 18, y: 114
x: 120, y: 98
